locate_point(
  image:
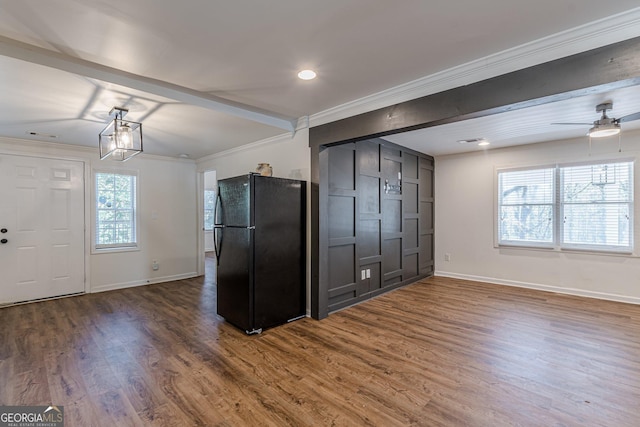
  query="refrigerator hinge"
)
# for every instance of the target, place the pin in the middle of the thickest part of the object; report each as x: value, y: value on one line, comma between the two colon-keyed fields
x: 254, y: 331
x: 253, y: 227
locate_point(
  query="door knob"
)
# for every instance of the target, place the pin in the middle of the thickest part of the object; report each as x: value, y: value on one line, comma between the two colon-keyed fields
x: 4, y: 230
x: 3, y: 241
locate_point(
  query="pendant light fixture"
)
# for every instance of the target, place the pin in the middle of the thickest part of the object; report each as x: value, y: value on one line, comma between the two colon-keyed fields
x: 121, y: 139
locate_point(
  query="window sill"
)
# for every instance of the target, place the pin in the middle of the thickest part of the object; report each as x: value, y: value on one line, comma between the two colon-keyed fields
x: 622, y: 254
x: 97, y: 251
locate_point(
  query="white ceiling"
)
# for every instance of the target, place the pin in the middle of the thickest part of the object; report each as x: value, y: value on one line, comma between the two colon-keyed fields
x: 249, y: 52
x: 525, y: 126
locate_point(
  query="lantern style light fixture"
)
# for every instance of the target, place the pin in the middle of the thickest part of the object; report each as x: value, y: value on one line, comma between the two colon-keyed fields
x: 121, y: 139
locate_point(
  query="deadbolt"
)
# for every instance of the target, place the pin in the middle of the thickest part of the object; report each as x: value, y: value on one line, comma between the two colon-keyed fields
x: 4, y: 230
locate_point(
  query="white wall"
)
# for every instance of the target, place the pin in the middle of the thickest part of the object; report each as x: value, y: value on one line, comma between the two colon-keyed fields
x: 210, y: 181
x: 289, y: 156
x: 168, y: 231
x: 464, y: 221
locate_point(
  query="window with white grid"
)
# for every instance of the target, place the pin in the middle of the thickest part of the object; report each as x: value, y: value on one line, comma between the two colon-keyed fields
x: 596, y: 206
x: 209, y: 208
x: 115, y: 210
x: 580, y: 206
x: 526, y: 207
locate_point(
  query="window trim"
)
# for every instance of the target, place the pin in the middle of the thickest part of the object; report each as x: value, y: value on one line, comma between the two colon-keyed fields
x: 524, y: 244
x: 557, y: 245
x: 128, y: 247
x: 631, y: 203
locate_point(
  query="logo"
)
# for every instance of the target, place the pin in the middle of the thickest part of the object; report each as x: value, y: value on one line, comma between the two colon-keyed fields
x: 31, y: 416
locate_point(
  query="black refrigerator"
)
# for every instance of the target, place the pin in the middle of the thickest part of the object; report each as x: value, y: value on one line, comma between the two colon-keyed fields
x: 260, y: 242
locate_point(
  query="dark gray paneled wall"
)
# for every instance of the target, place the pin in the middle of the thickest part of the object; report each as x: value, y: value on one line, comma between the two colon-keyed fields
x: 379, y: 200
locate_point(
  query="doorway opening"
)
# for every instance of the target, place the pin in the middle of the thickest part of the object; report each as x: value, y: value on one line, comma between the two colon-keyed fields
x: 209, y: 202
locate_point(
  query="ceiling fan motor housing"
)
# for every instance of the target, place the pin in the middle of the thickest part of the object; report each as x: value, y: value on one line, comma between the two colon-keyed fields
x: 605, y: 121
x: 604, y: 107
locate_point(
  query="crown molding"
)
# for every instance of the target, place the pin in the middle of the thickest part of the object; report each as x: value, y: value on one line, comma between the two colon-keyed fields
x: 606, y: 31
x: 245, y: 147
x: 28, y: 145
x: 302, y: 123
x: 20, y: 146
x: 595, y: 34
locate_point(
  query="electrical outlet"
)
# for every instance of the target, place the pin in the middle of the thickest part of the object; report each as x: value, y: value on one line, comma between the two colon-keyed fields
x: 447, y: 257
x: 154, y: 265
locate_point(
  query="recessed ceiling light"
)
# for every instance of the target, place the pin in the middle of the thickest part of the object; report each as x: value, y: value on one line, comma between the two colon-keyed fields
x: 307, y: 75
x: 479, y: 141
x: 483, y: 143
x: 184, y: 156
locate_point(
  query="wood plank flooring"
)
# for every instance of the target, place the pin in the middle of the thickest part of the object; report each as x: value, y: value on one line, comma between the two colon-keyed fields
x: 441, y: 352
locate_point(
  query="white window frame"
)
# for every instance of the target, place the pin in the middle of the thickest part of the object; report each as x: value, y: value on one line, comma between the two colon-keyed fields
x: 117, y: 247
x: 561, y: 215
x: 520, y: 243
x: 558, y: 212
x: 212, y: 209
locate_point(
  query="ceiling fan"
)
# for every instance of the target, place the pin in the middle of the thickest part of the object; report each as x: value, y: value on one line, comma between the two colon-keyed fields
x: 605, y: 126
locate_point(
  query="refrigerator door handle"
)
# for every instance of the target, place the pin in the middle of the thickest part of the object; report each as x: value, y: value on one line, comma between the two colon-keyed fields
x: 218, y: 208
x: 217, y: 248
x: 215, y: 209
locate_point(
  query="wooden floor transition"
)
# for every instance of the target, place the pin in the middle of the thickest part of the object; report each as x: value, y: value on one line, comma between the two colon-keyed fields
x: 441, y: 352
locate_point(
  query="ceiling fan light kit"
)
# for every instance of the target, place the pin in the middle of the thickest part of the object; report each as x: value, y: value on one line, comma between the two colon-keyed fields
x: 602, y: 131
x: 606, y: 126
x: 121, y: 139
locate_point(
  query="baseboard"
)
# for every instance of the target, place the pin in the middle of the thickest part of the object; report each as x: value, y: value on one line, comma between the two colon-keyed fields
x: 540, y: 287
x: 135, y: 283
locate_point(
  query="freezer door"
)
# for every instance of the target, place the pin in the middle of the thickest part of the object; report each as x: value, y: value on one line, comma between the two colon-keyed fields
x: 234, y: 207
x: 235, y: 276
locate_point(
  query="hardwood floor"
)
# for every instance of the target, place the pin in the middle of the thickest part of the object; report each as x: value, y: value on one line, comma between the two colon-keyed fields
x: 441, y: 352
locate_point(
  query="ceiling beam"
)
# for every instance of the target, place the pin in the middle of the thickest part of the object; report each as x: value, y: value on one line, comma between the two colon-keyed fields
x: 37, y: 55
x: 595, y: 71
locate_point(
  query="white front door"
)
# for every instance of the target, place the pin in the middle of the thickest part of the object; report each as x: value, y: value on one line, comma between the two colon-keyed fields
x: 41, y: 228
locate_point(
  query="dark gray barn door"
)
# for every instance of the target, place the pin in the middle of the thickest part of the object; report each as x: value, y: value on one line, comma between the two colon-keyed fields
x: 380, y: 220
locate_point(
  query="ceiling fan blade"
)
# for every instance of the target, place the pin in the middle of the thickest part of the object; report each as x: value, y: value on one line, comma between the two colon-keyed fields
x: 574, y: 124
x: 628, y: 118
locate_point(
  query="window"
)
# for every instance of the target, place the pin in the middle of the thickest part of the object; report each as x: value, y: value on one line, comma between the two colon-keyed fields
x: 115, y: 214
x: 209, y: 208
x: 526, y: 200
x: 584, y: 207
x: 597, y: 205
